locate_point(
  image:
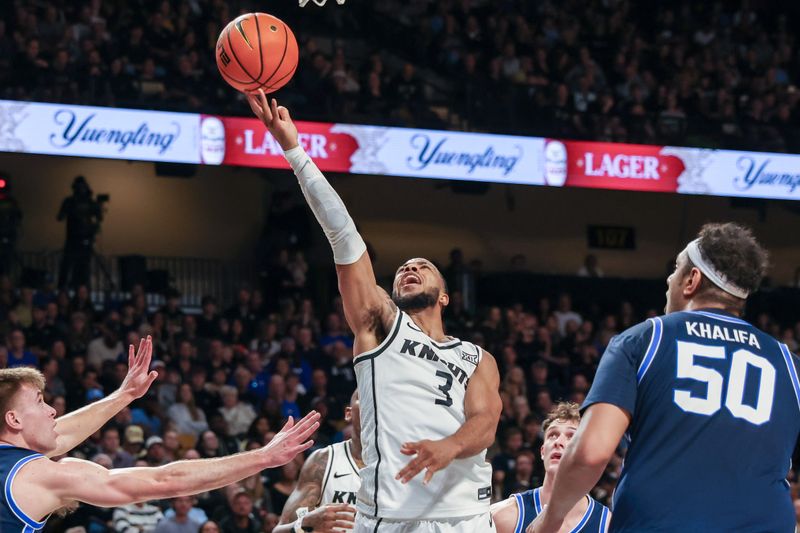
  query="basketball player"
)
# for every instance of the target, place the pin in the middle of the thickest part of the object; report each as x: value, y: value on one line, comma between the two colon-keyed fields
x: 516, y: 513
x: 329, y: 481
x: 412, y: 378
x: 35, y: 486
x: 709, y: 404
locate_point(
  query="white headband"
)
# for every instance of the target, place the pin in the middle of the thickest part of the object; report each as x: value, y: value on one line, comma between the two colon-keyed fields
x: 716, y: 277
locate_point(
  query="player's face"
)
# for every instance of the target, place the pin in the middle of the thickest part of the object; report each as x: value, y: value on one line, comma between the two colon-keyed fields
x: 558, y: 435
x: 675, y: 300
x: 36, y: 419
x: 418, y: 285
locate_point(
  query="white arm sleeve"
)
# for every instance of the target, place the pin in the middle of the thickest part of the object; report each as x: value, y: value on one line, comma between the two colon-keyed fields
x: 328, y: 208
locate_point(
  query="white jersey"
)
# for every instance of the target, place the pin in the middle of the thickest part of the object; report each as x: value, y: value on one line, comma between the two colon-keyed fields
x: 342, y: 480
x: 412, y: 388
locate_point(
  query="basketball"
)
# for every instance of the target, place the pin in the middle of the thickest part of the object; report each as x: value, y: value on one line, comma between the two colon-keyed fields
x: 257, y: 51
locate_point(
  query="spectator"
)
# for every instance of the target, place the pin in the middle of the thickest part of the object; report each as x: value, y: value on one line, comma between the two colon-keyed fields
x: 110, y: 445
x: 184, y: 413
x: 134, y: 440
x: 136, y: 518
x: 107, y: 347
x: 241, y: 519
x: 590, y: 268
x: 179, y: 521
x: 18, y: 355
x: 564, y: 314
x: 237, y: 414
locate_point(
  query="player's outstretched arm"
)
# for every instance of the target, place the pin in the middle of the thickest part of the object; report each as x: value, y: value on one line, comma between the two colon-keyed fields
x: 362, y: 298
x: 482, y: 407
x: 307, y: 494
x: 601, y: 429
x: 42, y: 486
x: 77, y: 426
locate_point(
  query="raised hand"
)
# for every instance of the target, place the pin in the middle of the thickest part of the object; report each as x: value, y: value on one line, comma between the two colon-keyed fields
x: 291, y: 440
x: 431, y: 455
x: 330, y: 518
x: 275, y: 118
x: 139, y: 377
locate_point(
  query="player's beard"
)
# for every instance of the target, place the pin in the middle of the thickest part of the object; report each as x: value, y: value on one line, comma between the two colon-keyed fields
x: 414, y: 302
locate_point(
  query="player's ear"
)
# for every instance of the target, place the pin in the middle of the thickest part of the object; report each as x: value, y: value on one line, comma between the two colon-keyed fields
x: 348, y: 414
x: 691, y: 283
x: 12, y: 420
x: 444, y: 299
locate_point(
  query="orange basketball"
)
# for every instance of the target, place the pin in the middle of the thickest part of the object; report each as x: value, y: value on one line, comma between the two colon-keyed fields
x: 257, y: 51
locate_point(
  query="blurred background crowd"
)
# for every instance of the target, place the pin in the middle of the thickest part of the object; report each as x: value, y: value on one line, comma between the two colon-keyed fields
x: 229, y: 376
x: 701, y: 73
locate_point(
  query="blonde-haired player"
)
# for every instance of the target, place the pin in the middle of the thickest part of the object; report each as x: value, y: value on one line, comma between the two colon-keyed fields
x: 515, y: 514
x: 412, y: 378
x: 35, y: 486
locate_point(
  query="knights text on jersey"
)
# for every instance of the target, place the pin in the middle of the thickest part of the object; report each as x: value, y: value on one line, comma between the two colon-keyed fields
x: 412, y: 388
x: 342, y: 480
x: 529, y: 505
x: 714, y: 405
x: 12, y: 518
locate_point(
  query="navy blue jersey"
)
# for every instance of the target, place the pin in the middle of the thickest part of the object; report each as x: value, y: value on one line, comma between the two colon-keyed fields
x: 714, y: 405
x: 12, y: 519
x: 529, y: 505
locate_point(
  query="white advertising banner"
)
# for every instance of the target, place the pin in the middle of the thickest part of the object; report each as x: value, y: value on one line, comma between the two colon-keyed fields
x: 445, y: 154
x: 731, y: 173
x: 60, y: 129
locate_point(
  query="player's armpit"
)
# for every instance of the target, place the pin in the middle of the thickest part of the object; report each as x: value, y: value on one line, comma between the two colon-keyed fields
x: 309, y: 487
x: 505, y: 515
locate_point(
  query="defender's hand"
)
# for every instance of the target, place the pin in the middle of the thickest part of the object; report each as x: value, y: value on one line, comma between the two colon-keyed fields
x: 291, y: 440
x: 331, y: 518
x: 432, y: 455
x: 275, y: 118
x: 139, y: 376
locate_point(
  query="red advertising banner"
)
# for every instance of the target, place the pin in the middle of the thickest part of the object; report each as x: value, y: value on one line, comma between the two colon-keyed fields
x: 632, y: 167
x: 248, y: 143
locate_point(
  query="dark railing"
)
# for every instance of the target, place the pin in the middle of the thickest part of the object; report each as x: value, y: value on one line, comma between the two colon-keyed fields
x: 192, y: 277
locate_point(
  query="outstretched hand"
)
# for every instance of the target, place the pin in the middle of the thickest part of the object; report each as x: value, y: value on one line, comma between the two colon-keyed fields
x: 431, y: 456
x: 139, y: 377
x: 275, y: 118
x: 291, y: 440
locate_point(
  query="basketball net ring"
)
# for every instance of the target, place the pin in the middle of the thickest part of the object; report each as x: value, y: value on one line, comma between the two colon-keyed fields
x: 320, y: 3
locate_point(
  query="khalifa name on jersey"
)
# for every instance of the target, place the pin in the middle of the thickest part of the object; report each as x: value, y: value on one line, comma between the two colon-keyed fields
x: 723, y: 333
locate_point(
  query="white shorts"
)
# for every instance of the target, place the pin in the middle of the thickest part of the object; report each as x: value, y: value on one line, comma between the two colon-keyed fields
x: 481, y: 523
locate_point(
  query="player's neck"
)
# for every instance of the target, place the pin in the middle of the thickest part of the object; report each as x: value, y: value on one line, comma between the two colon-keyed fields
x: 547, y: 488
x: 355, y: 451
x: 12, y: 440
x: 695, y: 305
x: 429, y: 320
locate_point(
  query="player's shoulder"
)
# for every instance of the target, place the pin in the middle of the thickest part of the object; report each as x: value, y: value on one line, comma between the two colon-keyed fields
x: 640, y: 331
x: 317, y: 463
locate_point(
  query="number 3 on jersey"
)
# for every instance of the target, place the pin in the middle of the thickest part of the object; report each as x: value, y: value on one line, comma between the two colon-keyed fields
x: 445, y: 388
x: 688, y: 368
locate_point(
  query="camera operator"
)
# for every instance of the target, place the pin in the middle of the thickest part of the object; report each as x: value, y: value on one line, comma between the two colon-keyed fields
x: 84, y: 215
x: 10, y: 218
